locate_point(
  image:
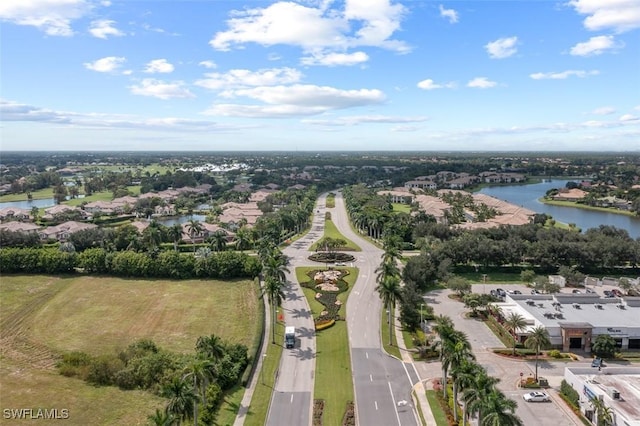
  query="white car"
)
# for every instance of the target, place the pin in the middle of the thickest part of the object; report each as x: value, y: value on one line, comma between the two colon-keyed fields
x: 536, y: 397
x: 341, y: 264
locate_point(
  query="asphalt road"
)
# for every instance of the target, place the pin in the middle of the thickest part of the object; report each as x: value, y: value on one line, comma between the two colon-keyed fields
x: 292, y: 396
x: 382, y: 383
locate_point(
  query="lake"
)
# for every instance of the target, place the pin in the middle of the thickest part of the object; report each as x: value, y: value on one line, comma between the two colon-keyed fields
x: 528, y: 195
x: 28, y: 205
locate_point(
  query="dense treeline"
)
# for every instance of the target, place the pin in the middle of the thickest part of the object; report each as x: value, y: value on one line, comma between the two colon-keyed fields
x: 168, y: 264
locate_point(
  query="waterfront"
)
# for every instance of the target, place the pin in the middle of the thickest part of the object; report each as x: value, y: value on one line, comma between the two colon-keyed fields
x: 528, y: 195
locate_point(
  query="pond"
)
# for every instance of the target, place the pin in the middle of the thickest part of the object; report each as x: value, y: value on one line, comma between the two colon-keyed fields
x: 528, y: 195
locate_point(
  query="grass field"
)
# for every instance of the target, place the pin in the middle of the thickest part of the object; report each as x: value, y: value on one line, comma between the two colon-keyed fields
x: 331, y: 231
x: 42, y: 317
x: 36, y: 195
x: 333, y: 382
x: 438, y: 414
x: 401, y: 208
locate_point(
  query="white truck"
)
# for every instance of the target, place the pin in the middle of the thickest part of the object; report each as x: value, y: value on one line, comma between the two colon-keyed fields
x: 290, y: 337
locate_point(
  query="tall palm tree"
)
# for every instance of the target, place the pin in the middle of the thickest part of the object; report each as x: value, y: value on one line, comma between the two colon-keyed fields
x: 538, y: 339
x: 390, y: 292
x: 175, y: 235
x: 445, y: 329
x: 476, y: 396
x: 182, y: 397
x: 219, y: 240
x: 499, y: 411
x: 514, y: 322
x: 459, y: 355
x: 198, y: 370
x: 275, y: 265
x: 211, y: 347
x: 194, y: 228
x: 464, y: 376
x: 273, y: 289
x: 603, y: 415
x: 243, y: 238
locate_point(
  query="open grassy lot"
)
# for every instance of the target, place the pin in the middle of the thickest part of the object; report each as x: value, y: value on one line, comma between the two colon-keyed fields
x: 333, y: 382
x: 42, y: 317
x: 36, y: 195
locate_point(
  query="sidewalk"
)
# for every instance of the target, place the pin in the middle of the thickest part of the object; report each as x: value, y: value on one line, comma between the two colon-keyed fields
x: 248, y: 392
x: 418, y: 388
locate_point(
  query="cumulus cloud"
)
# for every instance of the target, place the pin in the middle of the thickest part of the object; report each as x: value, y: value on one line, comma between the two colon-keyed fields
x: 595, y: 46
x: 104, y: 28
x: 54, y: 17
x: 562, y: 75
x: 618, y: 15
x: 295, y: 100
x: 335, y: 59
x: 361, y: 23
x: 158, y: 66
x: 502, y: 47
x: 108, y: 64
x: 481, y: 83
x: 208, y: 64
x: 628, y: 117
x: 429, y: 84
x: 160, y: 89
x: 243, y: 78
x: 449, y: 14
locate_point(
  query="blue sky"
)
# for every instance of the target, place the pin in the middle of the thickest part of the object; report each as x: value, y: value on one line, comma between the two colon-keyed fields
x: 320, y: 75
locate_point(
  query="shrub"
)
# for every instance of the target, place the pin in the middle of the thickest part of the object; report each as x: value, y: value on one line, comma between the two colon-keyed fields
x: 554, y: 353
x: 572, y: 396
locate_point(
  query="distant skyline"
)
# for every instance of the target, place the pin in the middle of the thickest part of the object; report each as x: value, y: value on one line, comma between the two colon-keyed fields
x: 320, y: 75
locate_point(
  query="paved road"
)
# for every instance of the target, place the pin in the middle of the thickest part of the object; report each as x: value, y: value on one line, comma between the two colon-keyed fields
x: 292, y: 397
x: 382, y: 383
x: 508, y: 371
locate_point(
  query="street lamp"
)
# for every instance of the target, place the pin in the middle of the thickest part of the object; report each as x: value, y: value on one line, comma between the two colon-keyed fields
x: 264, y: 357
x: 421, y: 324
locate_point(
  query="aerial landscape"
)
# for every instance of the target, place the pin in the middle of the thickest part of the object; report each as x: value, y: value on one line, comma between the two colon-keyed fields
x: 312, y: 212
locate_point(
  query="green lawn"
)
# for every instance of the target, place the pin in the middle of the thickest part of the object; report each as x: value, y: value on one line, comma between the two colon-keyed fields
x: 585, y: 207
x: 393, y: 349
x: 401, y: 208
x: 331, y: 231
x: 36, y: 195
x: 438, y: 414
x: 333, y: 382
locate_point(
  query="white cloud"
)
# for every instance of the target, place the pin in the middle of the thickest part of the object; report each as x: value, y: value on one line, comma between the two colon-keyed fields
x: 355, y: 120
x: 315, y: 28
x: 160, y: 89
x: 603, y: 110
x: 595, y: 46
x: 562, y: 75
x: 629, y: 117
x: 243, y: 78
x: 108, y: 64
x: 104, y: 28
x: 208, y: 64
x: 481, y: 83
x: 619, y: 15
x: 450, y: 14
x: 502, y: 47
x: 429, y: 84
x: 296, y: 100
x: 335, y: 59
x: 159, y: 66
x: 54, y: 17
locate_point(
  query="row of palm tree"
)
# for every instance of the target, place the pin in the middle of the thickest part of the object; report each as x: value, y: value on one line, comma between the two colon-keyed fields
x: 479, y: 393
x: 274, y: 269
x: 388, y: 278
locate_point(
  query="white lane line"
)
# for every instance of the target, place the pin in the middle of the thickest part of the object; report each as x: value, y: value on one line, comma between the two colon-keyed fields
x: 292, y: 398
x: 376, y: 402
x: 370, y: 378
x: 367, y: 354
x: 395, y: 408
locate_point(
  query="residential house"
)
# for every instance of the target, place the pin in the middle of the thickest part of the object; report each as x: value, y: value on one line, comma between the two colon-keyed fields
x: 14, y: 213
x: 24, y: 227
x: 64, y: 230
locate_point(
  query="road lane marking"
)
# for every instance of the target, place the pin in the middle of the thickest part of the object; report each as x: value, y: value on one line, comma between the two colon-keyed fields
x: 395, y: 408
x: 376, y: 402
x: 367, y: 354
x: 370, y: 378
x: 292, y: 398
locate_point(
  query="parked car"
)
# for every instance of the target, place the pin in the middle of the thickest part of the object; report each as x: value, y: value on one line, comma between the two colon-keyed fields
x: 608, y: 293
x: 536, y: 397
x: 588, y: 290
x: 493, y: 293
x: 534, y: 291
x: 576, y: 291
x: 597, y: 362
x: 501, y: 292
x: 616, y: 292
x: 517, y: 292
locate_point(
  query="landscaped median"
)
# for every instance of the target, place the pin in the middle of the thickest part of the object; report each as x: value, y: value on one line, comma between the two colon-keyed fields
x: 333, y: 381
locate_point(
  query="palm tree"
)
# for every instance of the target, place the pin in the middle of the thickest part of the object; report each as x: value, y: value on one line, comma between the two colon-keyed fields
x: 35, y: 213
x: 513, y: 323
x: 463, y: 377
x: 603, y: 414
x: 219, y: 240
x: 182, y: 398
x: 444, y: 328
x: 459, y: 354
x: 390, y: 292
x: 476, y: 396
x: 194, y: 228
x: 538, y: 339
x: 499, y: 411
x: 275, y: 265
x: 175, y: 235
x: 272, y: 288
x: 199, y: 371
x: 211, y: 347
x: 162, y: 418
x: 243, y: 238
